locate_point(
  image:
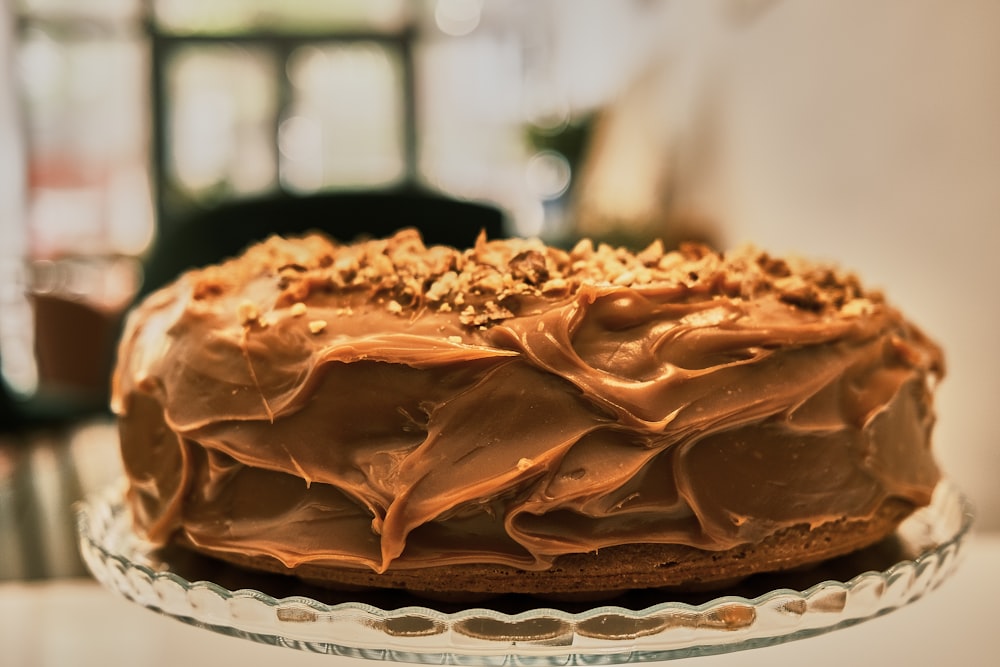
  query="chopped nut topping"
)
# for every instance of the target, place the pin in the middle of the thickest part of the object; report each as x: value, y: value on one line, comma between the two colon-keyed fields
x: 499, y: 279
x: 316, y: 326
x: 583, y: 249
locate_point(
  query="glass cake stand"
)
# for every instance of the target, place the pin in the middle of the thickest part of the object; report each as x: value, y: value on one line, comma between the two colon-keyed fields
x: 638, y: 627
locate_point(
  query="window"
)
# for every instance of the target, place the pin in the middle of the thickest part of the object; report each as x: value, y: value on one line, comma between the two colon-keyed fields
x: 256, y: 97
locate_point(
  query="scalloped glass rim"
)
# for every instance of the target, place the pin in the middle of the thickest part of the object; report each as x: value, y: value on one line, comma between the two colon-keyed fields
x: 602, y: 634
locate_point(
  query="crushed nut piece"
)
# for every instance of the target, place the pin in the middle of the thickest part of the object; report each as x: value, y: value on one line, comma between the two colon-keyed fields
x: 316, y: 326
x: 490, y: 282
x: 529, y: 266
x: 857, y: 308
x: 652, y: 254
x: 555, y: 287
x: 468, y: 315
x: 298, y: 309
x: 443, y: 286
x: 247, y: 312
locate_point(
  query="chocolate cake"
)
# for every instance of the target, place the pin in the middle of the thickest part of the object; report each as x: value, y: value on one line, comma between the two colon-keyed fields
x: 515, y: 417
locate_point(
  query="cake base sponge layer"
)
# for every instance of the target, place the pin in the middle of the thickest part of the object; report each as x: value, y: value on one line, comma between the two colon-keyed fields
x: 615, y: 569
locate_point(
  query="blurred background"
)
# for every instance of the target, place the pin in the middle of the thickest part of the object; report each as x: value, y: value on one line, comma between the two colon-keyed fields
x: 865, y: 132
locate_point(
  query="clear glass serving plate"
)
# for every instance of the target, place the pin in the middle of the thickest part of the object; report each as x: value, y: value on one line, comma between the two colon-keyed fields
x: 639, y: 627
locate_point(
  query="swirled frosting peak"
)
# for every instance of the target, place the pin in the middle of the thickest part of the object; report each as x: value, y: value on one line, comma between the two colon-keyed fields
x: 385, y: 405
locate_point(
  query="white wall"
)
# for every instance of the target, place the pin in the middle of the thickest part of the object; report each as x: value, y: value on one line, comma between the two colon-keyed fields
x: 865, y: 132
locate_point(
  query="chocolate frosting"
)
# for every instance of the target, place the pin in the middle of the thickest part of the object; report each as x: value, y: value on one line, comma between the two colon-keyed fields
x: 384, y: 405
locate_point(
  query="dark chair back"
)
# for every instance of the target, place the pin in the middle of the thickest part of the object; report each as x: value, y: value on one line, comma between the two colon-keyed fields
x: 219, y: 233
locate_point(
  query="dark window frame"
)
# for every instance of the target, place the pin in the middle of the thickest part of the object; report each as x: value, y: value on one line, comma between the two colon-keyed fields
x: 279, y: 45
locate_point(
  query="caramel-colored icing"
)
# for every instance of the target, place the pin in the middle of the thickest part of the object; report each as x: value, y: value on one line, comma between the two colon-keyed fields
x: 384, y: 405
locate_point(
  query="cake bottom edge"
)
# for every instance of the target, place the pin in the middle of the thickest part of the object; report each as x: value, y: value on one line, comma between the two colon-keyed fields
x: 609, y: 571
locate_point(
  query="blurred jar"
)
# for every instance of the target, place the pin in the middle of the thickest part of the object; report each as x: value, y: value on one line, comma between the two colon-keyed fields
x: 79, y: 213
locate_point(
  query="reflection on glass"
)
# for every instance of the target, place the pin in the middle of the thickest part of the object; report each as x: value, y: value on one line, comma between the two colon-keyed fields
x: 221, y: 101
x: 458, y: 17
x: 344, y: 126
x: 548, y: 173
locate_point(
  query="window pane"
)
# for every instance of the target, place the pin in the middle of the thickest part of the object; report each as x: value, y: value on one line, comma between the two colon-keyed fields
x: 471, y: 123
x: 344, y: 126
x: 219, y: 120
x: 85, y: 121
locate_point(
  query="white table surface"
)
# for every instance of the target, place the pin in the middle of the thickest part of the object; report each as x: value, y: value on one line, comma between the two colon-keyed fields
x: 76, y: 622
